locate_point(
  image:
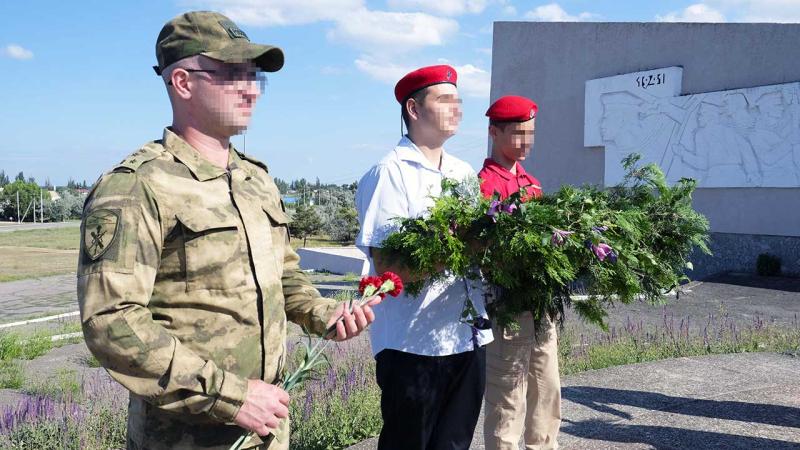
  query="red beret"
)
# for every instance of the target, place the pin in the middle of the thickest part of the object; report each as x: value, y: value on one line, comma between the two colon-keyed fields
x: 422, y: 78
x: 512, y: 108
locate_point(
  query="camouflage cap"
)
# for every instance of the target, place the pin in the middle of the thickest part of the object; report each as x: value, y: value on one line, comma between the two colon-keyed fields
x: 213, y: 35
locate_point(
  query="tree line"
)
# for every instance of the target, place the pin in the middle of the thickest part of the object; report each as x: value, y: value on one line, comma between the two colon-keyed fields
x: 23, y: 199
x: 316, y: 208
x: 320, y: 209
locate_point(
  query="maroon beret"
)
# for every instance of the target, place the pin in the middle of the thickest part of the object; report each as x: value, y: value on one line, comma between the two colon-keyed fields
x: 512, y: 108
x: 422, y: 78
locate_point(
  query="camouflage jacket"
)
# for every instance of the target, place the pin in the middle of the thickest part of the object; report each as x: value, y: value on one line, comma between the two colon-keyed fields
x: 185, y: 282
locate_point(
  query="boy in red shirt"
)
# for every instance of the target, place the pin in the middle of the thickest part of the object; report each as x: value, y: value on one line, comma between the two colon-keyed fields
x: 512, y: 121
x: 523, y: 390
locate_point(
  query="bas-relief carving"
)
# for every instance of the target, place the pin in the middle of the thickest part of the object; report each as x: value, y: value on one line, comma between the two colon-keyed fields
x: 737, y: 138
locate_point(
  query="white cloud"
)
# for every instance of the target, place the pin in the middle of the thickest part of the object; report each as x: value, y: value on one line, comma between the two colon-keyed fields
x: 694, y: 13
x: 281, y: 12
x: 768, y: 11
x: 780, y: 11
x: 472, y: 81
x: 443, y: 7
x: 385, y: 72
x: 485, y: 50
x: 393, y: 32
x: 352, y: 22
x: 17, y: 52
x: 554, y: 13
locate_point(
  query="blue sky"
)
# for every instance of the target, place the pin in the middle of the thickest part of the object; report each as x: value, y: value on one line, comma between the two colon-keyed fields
x: 78, y: 92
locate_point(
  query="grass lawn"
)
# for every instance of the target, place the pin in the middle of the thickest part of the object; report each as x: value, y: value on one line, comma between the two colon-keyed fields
x: 67, y: 238
x: 19, y: 263
x: 39, y: 253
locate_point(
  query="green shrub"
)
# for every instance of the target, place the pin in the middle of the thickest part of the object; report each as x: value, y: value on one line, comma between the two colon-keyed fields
x: 11, y: 375
x: 15, y: 346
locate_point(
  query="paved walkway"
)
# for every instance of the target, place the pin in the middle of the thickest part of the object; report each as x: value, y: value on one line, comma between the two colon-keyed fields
x: 743, y: 401
x: 742, y: 299
x: 37, y: 297
x: 56, y: 294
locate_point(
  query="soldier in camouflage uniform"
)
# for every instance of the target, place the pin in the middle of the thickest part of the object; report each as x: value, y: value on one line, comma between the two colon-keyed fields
x: 186, y: 277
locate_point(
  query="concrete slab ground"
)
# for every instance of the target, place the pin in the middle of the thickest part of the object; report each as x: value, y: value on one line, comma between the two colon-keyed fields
x: 741, y: 401
x: 744, y: 401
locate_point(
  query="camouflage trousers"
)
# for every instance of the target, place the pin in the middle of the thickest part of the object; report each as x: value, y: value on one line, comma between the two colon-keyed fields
x: 172, y: 431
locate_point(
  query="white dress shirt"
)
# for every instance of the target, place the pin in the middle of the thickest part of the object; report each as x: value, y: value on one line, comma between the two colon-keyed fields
x: 403, y: 184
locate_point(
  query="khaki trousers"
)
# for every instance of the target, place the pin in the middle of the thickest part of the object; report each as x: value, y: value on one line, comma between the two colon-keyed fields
x: 523, y: 389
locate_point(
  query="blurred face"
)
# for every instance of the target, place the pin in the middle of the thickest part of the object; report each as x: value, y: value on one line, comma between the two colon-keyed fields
x: 223, y: 95
x: 440, y: 110
x: 514, y: 140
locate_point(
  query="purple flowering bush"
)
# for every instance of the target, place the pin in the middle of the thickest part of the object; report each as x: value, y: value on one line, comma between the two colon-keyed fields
x: 341, y: 406
x: 634, y: 341
x: 96, y: 419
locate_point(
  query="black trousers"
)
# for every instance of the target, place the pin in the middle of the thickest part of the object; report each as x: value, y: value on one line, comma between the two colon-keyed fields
x: 430, y: 402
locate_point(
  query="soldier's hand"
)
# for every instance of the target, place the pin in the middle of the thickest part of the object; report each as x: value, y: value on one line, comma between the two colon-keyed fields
x: 349, y: 325
x: 263, y: 408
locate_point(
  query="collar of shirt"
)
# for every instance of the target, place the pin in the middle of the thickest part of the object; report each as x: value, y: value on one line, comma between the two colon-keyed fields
x: 492, y: 165
x: 407, y: 150
x: 200, y: 167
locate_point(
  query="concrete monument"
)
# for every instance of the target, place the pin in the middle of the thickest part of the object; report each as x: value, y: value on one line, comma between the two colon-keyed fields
x: 734, y: 138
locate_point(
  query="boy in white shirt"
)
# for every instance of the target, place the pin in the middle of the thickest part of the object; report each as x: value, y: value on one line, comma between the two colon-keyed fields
x: 430, y: 365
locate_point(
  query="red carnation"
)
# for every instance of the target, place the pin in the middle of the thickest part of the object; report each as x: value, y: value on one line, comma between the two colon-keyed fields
x: 395, y: 279
x: 370, y: 281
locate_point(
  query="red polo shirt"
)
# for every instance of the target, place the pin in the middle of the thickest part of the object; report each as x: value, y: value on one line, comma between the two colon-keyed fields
x: 496, y: 178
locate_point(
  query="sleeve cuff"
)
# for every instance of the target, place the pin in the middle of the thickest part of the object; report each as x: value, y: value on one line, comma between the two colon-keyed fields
x: 320, y: 316
x: 232, y: 393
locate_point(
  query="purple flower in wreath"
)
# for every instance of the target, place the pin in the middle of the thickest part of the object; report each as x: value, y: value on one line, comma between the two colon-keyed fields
x: 494, y: 208
x: 600, y: 230
x: 509, y: 209
x: 560, y: 237
x: 603, y: 251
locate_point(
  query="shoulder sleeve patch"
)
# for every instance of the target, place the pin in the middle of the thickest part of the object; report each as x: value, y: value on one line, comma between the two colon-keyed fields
x: 100, y: 233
